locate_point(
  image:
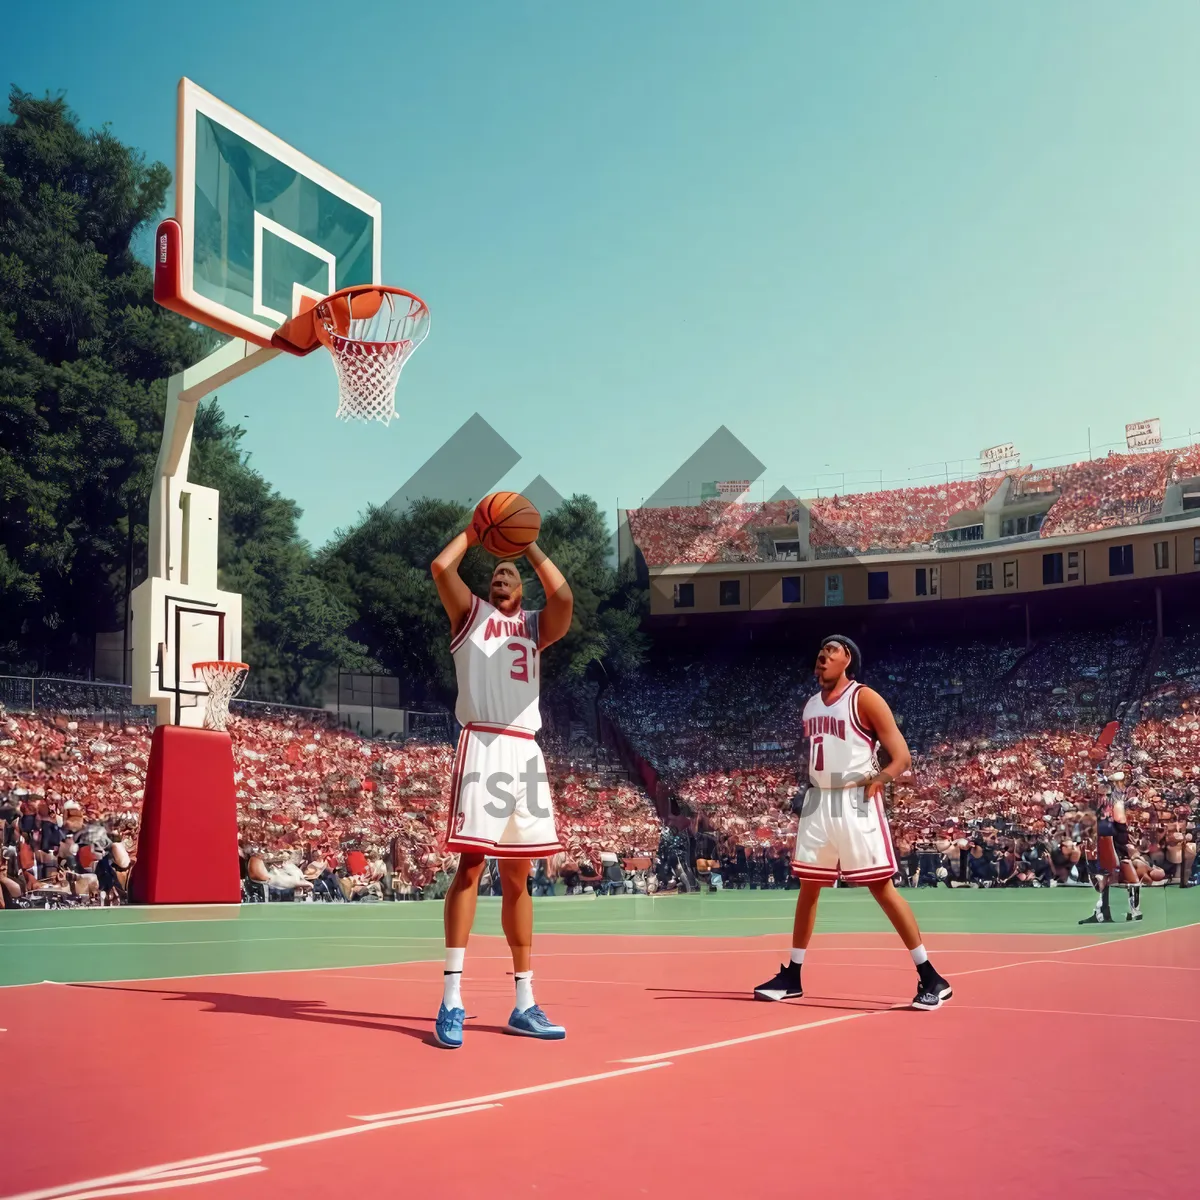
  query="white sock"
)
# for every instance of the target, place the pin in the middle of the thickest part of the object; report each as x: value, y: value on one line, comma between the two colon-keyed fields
x: 919, y: 956
x: 798, y: 957
x: 452, y: 977
x: 524, y: 990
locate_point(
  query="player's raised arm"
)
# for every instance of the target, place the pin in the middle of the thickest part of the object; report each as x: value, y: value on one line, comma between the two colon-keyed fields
x: 873, y: 708
x: 555, y: 619
x: 455, y: 595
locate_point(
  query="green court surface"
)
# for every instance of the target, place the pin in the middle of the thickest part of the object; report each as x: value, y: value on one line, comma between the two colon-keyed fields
x: 105, y: 944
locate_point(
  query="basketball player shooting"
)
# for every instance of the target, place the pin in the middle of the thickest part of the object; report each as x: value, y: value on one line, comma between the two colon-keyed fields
x: 843, y: 828
x: 1115, y: 863
x: 500, y: 803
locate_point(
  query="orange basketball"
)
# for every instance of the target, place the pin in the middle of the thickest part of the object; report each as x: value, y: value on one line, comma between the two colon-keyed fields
x: 506, y: 524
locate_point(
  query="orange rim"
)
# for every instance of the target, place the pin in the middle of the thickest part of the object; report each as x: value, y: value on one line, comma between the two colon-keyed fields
x: 306, y: 331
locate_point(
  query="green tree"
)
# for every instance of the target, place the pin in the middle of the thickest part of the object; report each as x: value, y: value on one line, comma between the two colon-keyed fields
x: 609, y: 606
x: 84, y: 353
x: 294, y: 624
x: 380, y: 568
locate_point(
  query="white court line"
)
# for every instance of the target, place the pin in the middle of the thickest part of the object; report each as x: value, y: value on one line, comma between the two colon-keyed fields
x: 1071, y: 1012
x: 770, y: 1033
x: 360, y: 943
x: 1134, y: 937
x: 525, y: 1091
x: 132, y: 1189
x: 622, y: 953
x: 758, y: 1037
x: 1106, y: 966
x: 148, y: 1174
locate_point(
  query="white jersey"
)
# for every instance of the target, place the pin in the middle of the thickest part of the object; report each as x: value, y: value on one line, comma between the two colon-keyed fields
x: 841, y: 752
x: 496, y: 663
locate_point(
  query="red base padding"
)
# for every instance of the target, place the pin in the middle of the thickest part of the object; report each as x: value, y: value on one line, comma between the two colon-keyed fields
x: 188, y: 839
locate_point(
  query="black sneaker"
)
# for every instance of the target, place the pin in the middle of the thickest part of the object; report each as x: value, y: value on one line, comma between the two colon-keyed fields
x: 1095, y: 919
x: 932, y: 993
x: 1135, y: 915
x: 785, y: 985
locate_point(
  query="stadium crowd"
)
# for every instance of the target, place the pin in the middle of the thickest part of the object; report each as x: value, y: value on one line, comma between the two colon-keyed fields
x: 1006, y: 750
x: 1006, y: 760
x: 1087, y: 496
x: 321, y: 811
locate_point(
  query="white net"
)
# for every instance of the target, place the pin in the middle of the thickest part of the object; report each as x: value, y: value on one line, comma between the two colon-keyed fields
x: 224, y: 680
x: 370, y: 357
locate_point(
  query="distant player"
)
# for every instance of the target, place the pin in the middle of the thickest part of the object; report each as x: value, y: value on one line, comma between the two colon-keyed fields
x: 843, y: 828
x: 1115, y: 860
x: 500, y: 803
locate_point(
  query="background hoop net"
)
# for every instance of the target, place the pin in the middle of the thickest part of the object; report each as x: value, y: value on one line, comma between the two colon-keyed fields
x: 371, y: 353
x: 224, y: 680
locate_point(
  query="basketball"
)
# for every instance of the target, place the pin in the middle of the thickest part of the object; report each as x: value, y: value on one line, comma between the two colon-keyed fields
x: 506, y: 524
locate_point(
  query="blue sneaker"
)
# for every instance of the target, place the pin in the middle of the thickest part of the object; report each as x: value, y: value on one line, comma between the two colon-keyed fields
x: 448, y: 1028
x: 534, y: 1023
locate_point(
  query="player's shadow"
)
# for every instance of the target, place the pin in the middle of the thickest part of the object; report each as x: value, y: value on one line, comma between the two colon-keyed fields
x: 314, y: 1011
x: 837, y: 1003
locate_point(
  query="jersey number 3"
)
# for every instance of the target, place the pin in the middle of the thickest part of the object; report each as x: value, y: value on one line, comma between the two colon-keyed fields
x: 524, y: 664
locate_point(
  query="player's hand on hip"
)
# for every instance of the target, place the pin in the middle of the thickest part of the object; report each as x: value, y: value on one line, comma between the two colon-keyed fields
x: 876, y: 786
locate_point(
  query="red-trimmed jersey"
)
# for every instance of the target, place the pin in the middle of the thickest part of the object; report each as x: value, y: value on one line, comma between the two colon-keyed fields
x: 841, y: 752
x: 497, y: 663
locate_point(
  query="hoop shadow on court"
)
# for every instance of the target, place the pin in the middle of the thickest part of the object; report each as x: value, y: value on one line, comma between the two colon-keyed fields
x: 310, y: 1011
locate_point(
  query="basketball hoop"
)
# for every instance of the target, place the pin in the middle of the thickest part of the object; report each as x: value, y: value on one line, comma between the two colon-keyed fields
x: 371, y: 331
x: 224, y: 680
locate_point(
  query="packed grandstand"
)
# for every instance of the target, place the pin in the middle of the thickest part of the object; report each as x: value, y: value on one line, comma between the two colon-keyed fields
x: 1005, y: 742
x: 1084, y: 497
x: 693, y: 759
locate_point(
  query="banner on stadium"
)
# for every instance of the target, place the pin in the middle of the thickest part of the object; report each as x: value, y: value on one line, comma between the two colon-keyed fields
x: 730, y: 491
x: 998, y: 458
x: 1144, y: 435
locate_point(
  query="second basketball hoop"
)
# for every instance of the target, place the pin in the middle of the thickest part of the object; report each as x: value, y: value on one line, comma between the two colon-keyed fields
x: 371, y: 331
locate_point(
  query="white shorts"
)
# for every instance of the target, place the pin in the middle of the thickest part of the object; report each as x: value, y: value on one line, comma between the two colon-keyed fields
x: 498, y: 804
x: 841, y: 832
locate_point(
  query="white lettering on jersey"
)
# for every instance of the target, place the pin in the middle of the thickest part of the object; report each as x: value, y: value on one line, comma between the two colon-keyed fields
x: 496, y: 662
x: 841, y: 752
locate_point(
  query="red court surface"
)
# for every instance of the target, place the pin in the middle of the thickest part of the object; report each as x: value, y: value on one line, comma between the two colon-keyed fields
x: 671, y: 1077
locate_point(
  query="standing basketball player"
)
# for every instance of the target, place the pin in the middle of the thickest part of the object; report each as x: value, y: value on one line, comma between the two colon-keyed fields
x: 1115, y: 862
x: 500, y: 804
x: 843, y: 828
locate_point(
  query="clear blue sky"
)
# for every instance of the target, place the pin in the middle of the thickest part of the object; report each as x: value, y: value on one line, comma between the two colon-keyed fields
x: 866, y: 237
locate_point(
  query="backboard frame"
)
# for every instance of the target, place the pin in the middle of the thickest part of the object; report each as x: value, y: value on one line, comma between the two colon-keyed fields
x: 174, y: 258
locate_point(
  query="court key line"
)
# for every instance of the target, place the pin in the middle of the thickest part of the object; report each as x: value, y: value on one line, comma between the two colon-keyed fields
x: 168, y: 1174
x: 147, y: 1178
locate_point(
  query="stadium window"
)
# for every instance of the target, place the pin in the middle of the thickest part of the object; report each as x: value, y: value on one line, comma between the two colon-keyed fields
x: 877, y: 585
x: 1072, y: 566
x: 1162, y: 556
x: 1010, y: 574
x: 1007, y: 528
x: 1052, y: 571
x: 793, y: 589
x: 1196, y: 552
x: 731, y: 591
x: 833, y: 590
x: 935, y: 578
x: 685, y: 595
x: 1120, y: 560
x: 922, y: 585
x: 787, y: 551
x: 1035, y: 522
x: 983, y: 577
